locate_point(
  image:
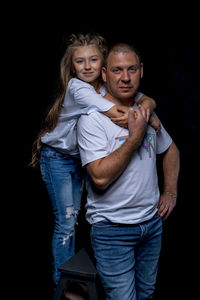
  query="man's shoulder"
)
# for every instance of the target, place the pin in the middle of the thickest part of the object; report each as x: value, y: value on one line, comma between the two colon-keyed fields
x: 93, y: 116
x: 92, y: 120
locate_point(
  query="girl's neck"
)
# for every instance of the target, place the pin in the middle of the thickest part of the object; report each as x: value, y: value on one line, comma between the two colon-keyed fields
x: 97, y: 85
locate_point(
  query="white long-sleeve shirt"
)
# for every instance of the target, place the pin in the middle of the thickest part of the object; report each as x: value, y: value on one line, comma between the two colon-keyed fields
x: 80, y: 99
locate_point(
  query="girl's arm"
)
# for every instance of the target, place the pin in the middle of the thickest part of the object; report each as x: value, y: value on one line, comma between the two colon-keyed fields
x: 147, y: 102
x: 119, y: 113
x: 155, y: 123
x: 85, y: 96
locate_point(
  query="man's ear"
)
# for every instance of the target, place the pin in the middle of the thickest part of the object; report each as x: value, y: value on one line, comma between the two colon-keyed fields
x: 103, y: 73
x: 141, y: 70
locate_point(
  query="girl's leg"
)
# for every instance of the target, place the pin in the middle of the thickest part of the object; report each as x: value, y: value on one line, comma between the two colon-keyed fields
x: 58, y: 173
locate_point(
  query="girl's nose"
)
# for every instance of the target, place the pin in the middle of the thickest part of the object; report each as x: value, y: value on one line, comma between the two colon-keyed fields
x: 87, y: 65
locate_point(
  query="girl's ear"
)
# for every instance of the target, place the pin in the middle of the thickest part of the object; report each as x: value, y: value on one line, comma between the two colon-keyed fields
x: 103, y: 73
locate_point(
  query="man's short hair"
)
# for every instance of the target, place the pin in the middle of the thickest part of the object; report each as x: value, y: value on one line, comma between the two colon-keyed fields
x: 123, y: 48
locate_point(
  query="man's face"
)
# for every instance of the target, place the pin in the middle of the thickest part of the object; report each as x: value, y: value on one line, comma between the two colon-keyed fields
x: 122, y: 75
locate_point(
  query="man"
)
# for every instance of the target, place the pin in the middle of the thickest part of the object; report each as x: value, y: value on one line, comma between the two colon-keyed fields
x: 124, y: 205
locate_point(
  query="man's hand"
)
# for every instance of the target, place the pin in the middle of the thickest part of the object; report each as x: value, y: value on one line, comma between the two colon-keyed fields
x: 137, y: 121
x: 166, y: 205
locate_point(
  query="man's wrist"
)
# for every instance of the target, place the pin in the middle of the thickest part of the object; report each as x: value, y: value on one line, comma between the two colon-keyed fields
x: 134, y: 140
x: 172, y: 195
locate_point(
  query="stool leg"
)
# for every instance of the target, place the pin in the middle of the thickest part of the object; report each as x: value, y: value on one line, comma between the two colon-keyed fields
x: 60, y: 288
x: 92, y: 291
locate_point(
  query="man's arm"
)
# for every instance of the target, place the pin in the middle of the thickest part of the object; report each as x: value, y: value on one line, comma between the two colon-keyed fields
x: 171, y: 166
x: 106, y: 170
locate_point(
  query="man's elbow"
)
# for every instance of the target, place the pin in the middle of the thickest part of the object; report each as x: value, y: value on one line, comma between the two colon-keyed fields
x: 100, y: 183
x: 99, y: 177
x: 173, y: 153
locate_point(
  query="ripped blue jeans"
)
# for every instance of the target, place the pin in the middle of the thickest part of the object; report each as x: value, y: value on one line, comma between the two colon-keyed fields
x: 63, y: 178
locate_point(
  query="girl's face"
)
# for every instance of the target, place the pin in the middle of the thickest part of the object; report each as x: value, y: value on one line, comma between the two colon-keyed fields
x: 87, y: 63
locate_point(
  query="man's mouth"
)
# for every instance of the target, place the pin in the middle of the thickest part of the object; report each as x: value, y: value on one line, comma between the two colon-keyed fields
x: 125, y: 88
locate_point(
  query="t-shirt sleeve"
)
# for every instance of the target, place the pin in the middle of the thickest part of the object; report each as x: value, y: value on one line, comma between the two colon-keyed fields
x: 85, y: 96
x: 138, y: 96
x: 91, y: 137
x: 163, y: 140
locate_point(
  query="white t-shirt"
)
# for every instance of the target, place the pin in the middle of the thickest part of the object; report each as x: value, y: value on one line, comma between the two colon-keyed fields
x: 134, y: 196
x: 81, y: 98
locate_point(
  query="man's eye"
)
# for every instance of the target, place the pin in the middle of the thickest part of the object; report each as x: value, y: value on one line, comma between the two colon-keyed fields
x: 115, y: 70
x: 134, y: 69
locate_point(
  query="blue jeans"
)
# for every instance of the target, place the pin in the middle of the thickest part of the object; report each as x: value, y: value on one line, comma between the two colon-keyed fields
x: 64, y: 181
x: 127, y: 258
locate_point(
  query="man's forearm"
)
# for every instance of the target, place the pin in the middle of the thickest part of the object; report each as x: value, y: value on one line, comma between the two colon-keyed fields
x: 106, y: 170
x: 171, y: 166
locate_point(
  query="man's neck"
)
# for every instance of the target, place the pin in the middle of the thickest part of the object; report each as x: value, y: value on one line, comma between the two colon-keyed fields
x: 125, y: 102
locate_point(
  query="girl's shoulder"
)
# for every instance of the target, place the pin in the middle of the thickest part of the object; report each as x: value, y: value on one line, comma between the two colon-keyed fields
x: 75, y: 83
x: 103, y: 90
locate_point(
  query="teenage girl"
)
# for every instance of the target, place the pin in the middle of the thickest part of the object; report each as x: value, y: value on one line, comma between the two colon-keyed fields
x: 56, y: 149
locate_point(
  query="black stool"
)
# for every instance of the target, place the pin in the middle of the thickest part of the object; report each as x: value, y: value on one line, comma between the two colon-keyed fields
x: 80, y: 269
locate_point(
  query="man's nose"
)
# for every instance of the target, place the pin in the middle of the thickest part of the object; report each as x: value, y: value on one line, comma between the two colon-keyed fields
x: 125, y: 76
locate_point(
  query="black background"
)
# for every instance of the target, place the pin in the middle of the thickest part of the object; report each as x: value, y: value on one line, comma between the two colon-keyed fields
x: 168, y: 41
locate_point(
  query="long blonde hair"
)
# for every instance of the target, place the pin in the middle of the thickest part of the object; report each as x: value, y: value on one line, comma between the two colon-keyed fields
x: 66, y: 73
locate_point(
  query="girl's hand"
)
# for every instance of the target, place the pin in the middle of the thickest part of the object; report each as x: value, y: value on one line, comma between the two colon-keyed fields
x: 122, y: 120
x: 155, y: 123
